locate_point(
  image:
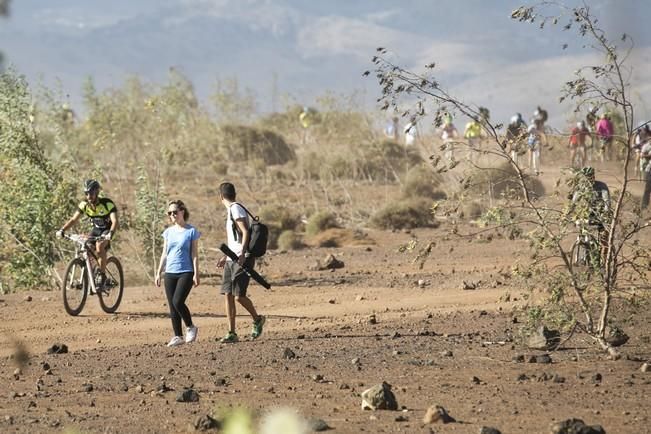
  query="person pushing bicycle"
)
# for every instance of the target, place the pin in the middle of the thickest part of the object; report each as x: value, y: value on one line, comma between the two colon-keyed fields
x: 103, y: 215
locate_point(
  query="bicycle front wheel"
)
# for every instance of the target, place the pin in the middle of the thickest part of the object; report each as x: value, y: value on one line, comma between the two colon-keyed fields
x: 110, y: 292
x: 580, y: 258
x: 75, y: 287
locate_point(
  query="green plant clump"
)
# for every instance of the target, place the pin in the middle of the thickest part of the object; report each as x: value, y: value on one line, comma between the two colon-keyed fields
x: 406, y: 214
x: 319, y: 222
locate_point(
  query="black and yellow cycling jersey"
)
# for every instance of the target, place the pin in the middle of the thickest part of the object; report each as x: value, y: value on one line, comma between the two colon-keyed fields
x: 100, y: 214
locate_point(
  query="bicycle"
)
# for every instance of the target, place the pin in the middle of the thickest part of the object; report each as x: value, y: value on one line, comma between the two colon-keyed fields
x: 77, y: 283
x: 586, y: 252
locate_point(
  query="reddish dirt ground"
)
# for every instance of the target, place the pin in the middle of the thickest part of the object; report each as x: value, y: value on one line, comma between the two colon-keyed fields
x: 116, y: 363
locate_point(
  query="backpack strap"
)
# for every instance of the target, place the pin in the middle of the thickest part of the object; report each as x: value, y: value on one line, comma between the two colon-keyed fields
x: 236, y: 232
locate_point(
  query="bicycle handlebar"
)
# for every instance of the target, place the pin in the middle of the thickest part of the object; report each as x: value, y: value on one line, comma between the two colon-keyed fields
x: 83, y: 239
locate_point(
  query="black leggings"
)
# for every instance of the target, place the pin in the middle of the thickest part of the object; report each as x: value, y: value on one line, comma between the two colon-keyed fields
x: 177, y: 289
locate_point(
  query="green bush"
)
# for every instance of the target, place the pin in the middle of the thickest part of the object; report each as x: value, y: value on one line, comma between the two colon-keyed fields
x: 422, y: 181
x: 406, y: 214
x: 290, y: 240
x: 34, y: 195
x: 319, y: 222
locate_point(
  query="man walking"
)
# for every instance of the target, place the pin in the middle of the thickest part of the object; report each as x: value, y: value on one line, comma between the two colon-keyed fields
x: 235, y: 279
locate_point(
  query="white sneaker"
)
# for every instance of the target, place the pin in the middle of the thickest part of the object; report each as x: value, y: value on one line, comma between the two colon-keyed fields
x: 176, y: 341
x: 191, y: 334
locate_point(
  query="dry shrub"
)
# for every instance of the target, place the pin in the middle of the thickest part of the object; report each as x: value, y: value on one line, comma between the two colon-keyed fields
x: 339, y: 237
x: 422, y: 181
x: 244, y: 143
x: 502, y: 182
x: 374, y: 161
x: 405, y: 214
x: 471, y: 210
x: 280, y: 216
x: 290, y: 240
x: 319, y: 222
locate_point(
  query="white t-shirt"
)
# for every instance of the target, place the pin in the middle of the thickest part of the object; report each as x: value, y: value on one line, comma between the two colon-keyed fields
x: 235, y: 239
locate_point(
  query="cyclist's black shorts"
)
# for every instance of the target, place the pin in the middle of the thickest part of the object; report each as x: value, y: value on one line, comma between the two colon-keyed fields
x: 98, y: 232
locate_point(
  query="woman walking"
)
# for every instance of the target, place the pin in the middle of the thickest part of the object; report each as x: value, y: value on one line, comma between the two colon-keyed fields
x: 181, y: 264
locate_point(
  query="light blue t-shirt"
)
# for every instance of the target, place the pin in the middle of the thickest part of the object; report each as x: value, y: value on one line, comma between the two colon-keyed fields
x: 179, y: 248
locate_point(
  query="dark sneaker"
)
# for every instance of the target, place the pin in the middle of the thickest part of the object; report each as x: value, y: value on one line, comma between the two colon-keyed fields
x: 230, y: 338
x: 257, y: 327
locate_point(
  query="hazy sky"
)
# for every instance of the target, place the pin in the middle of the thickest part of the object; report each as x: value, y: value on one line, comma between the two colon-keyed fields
x: 303, y: 47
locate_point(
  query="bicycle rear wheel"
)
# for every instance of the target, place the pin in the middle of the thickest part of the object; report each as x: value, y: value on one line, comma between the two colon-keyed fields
x: 75, y: 287
x: 110, y: 292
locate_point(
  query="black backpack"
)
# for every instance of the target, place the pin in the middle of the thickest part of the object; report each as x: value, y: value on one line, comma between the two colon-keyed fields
x: 259, y: 234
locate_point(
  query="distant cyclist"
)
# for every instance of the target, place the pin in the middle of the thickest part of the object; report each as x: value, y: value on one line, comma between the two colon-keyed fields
x: 411, y: 132
x: 641, y: 137
x: 449, y: 134
x: 534, y: 144
x: 102, y: 213
x: 391, y: 129
x: 578, y: 142
x: 515, y: 135
x: 473, y: 133
x: 540, y: 117
x: 645, y: 168
x: 605, y: 133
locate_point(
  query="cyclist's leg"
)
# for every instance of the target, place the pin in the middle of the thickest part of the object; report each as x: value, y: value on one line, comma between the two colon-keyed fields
x: 102, y: 248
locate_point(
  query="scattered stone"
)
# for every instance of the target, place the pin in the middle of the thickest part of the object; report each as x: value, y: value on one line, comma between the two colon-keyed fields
x: 28, y: 298
x: 332, y: 301
x: 206, y: 423
x: 436, y: 413
x: 317, y: 378
x: 421, y: 283
x: 558, y: 379
x: 596, y: 378
x: 401, y: 418
x: 17, y: 373
x: 355, y: 361
x: 522, y: 377
x: 188, y: 395
x: 379, y: 397
x: 288, y: 354
x: 468, y: 286
x: 140, y: 388
x: 616, y: 336
x: 87, y: 387
x: 543, y: 358
x: 359, y: 298
x: 518, y: 358
x: 162, y: 388
x: 318, y: 425
x: 395, y: 335
x: 45, y: 366
x: 575, y: 426
x: 483, y: 313
x: 446, y: 353
x: 58, y: 349
x: 476, y: 380
x: 646, y: 367
x: 489, y: 430
x: 372, y: 319
x: 329, y: 263
x: 544, y: 339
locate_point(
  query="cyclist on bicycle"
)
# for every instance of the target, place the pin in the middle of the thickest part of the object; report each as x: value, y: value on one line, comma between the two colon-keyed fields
x: 591, y: 202
x: 605, y: 134
x: 515, y: 134
x: 102, y: 213
x: 577, y: 143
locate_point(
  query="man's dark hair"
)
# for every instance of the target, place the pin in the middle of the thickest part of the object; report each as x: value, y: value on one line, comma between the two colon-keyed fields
x: 227, y: 190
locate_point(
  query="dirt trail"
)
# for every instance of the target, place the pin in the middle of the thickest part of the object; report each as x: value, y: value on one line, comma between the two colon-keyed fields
x: 108, y: 381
